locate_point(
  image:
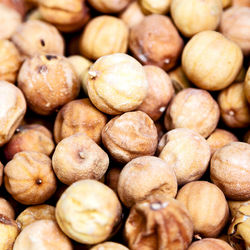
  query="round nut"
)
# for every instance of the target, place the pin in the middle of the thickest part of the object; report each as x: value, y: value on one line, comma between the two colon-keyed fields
x: 111, y: 6
x: 6, y: 209
x: 109, y: 246
x: 247, y: 85
x: 210, y: 244
x: 155, y: 6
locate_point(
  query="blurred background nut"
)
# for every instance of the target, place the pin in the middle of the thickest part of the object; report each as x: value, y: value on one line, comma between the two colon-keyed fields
x: 12, y: 110
x: 109, y: 246
x: 211, y: 61
x: 230, y: 170
x: 247, y: 137
x: 104, y: 35
x: 17, y: 5
x: 29, y: 178
x: 112, y: 178
x: 111, y: 6
x: 117, y: 83
x: 155, y: 6
x: 48, y: 82
x: 247, y: 85
x: 210, y: 244
x: 100, y: 211
x: 156, y: 41
x: 130, y: 135
x: 194, y: 109
x: 6, y: 209
x: 226, y: 3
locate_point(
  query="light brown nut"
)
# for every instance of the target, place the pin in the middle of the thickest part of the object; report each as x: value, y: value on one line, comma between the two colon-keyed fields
x: 12, y: 110
x: 210, y: 244
x: 130, y: 135
x: 79, y: 116
x: 48, y: 82
x: 112, y: 178
x: 247, y: 85
x: 230, y: 170
x: 186, y: 152
x: 6, y: 209
x: 211, y: 61
x: 109, y: 246
x: 234, y: 206
x: 90, y: 220
x: 117, y: 83
x: 155, y: 6
x: 194, y: 109
x: 29, y: 178
x: 247, y: 137
x: 1, y: 174
x: 17, y: 5
x: 111, y: 6
x: 241, y: 3
x: 156, y: 41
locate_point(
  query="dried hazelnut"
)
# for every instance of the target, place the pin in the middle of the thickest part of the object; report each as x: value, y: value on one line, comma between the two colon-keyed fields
x: 42, y: 234
x: 17, y: 5
x: 112, y: 178
x: 130, y: 135
x: 79, y: 116
x: 230, y: 170
x: 6, y: 209
x: 241, y: 3
x: 29, y: 178
x: 155, y: 40
x: 48, y: 82
x: 158, y: 223
x: 104, y: 35
x: 194, y: 109
x: 226, y: 3
x: 160, y: 91
x: 1, y: 174
x: 211, y: 61
x: 117, y: 83
x: 235, y: 205
x: 32, y: 137
x: 109, y: 246
x: 247, y: 85
x: 90, y: 220
x: 247, y: 137
x: 234, y: 107
x: 186, y: 152
x: 220, y: 138
x: 12, y: 110
x: 155, y: 6
x: 111, y: 6
x: 210, y: 244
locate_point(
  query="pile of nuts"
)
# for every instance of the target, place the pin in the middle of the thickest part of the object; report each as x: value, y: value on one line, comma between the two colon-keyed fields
x: 124, y: 124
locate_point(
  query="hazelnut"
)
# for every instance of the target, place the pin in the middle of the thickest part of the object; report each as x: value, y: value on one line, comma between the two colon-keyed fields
x: 79, y: 116
x: 234, y: 107
x: 32, y: 137
x: 247, y: 85
x: 117, y: 83
x: 130, y: 135
x: 155, y: 6
x: 112, y: 178
x: 194, y: 109
x: 109, y: 246
x: 226, y: 3
x: 234, y: 206
x: 207, y: 206
x: 160, y: 91
x: 230, y: 170
x: 160, y: 180
x: 186, y: 152
x: 111, y: 6
x: 29, y: 178
x: 48, y: 82
x: 90, y: 220
x: 210, y: 244
x: 42, y: 234
x: 155, y: 40
x: 1, y: 174
x: 247, y: 137
x: 241, y: 3
x: 12, y: 110
x: 211, y: 61
x: 17, y: 5
x: 6, y: 209
x: 158, y: 223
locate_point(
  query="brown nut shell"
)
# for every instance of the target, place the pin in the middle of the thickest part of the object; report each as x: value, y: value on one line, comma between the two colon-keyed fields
x: 241, y: 3
x: 155, y: 6
x: 109, y: 246
x: 210, y: 244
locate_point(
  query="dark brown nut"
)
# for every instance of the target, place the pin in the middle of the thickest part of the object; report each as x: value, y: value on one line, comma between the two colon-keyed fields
x: 12, y: 110
x: 230, y: 170
x: 220, y: 138
x: 79, y: 116
x: 159, y: 223
x: 32, y: 137
x: 17, y: 5
x: 207, y: 207
x: 160, y: 91
x: 160, y: 129
x: 111, y: 6
x: 36, y: 37
x: 241, y: 3
x: 194, y: 109
x: 210, y: 244
x: 234, y: 206
x: 1, y: 174
x: 109, y: 246
x: 155, y: 6
x: 112, y: 178
x: 247, y: 85
x: 186, y: 152
x: 130, y: 135
x: 48, y: 82
x: 6, y: 209
x: 155, y: 40
x: 247, y: 137
x: 29, y: 178
x: 234, y: 107
x: 42, y: 234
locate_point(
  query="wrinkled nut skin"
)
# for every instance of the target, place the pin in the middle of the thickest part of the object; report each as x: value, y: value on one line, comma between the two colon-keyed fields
x: 156, y: 41
x: 160, y: 180
x: 194, y: 109
x: 111, y: 6
x: 109, y: 246
x: 100, y: 210
x: 117, y: 83
x: 210, y: 244
x: 77, y: 158
x: 155, y: 6
x: 112, y: 178
x: 211, y: 61
x: 12, y: 110
x: 29, y: 178
x: 42, y: 234
x: 186, y: 152
x: 247, y: 137
x: 207, y: 207
x: 104, y: 35
x: 1, y: 174
x: 234, y: 108
x: 6, y: 209
x: 79, y: 116
x: 230, y: 170
x: 48, y: 82
x: 33, y: 137
x: 247, y: 85
x: 160, y: 91
x: 158, y: 224
x: 130, y: 135
x: 235, y: 205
